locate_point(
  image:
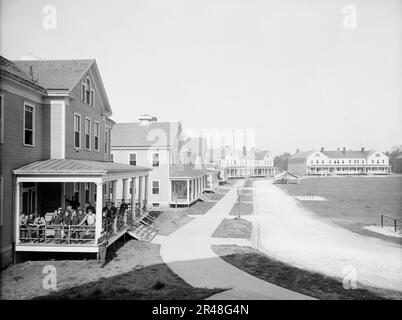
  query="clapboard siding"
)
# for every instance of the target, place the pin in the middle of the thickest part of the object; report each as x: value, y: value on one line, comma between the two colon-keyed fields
x: 14, y: 155
x: 95, y: 114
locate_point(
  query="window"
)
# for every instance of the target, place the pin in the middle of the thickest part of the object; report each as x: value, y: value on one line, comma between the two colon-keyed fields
x: 87, y: 91
x: 133, y: 159
x: 96, y: 136
x: 1, y: 119
x: 77, y: 131
x: 92, y: 98
x: 155, y: 187
x: 1, y: 201
x: 106, y: 141
x: 87, y: 133
x: 83, y: 92
x: 155, y: 160
x: 77, y: 191
x: 29, y: 125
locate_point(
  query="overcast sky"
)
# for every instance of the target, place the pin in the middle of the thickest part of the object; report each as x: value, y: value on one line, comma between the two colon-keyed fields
x: 290, y: 69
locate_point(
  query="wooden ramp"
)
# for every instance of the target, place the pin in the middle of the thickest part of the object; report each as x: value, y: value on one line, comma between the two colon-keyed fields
x: 142, y: 229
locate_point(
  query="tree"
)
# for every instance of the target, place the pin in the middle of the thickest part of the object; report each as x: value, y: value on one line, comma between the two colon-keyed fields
x: 395, y: 152
x: 281, y: 161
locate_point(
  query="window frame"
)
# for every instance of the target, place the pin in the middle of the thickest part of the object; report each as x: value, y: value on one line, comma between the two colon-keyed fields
x: 129, y: 158
x: 90, y: 133
x: 153, y: 154
x: 92, y: 98
x: 152, y: 187
x: 97, y: 123
x: 27, y: 104
x: 88, y: 90
x: 80, y: 130
x: 106, y: 141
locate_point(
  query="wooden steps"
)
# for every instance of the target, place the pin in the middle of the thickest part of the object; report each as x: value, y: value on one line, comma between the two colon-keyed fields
x: 142, y: 229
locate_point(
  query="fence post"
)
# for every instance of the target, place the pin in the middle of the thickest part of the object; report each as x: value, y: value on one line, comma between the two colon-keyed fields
x: 382, y: 221
x: 395, y: 224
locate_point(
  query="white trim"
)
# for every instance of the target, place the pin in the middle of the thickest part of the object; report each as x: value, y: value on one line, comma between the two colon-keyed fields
x: 152, y: 187
x: 80, y: 130
x: 60, y: 178
x: 138, y: 148
x: 32, y: 94
x: 129, y: 157
x: 33, y: 125
x: 2, y: 118
x: 56, y: 248
x: 90, y: 133
x: 107, y: 149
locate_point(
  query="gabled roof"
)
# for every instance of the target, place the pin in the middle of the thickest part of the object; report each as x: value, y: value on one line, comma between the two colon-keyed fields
x: 135, y: 134
x: 347, y: 154
x: 302, y: 154
x: 56, y: 74
x: 76, y: 167
x: 8, y: 68
x: 186, y: 173
x: 259, y: 155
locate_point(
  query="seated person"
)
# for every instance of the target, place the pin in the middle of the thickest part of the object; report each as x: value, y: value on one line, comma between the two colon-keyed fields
x: 57, y: 222
x: 30, y: 226
x: 75, y: 221
x: 40, y: 224
x: 90, y: 220
x: 88, y: 206
x: 23, y: 227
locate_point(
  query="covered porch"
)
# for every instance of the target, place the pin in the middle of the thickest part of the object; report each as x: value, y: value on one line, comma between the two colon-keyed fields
x: 187, y: 185
x: 44, y: 186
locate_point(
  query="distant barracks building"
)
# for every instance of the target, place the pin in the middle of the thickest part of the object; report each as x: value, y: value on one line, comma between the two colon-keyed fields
x: 339, y: 162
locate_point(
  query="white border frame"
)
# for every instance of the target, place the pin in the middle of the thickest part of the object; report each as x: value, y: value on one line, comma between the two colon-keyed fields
x: 33, y: 125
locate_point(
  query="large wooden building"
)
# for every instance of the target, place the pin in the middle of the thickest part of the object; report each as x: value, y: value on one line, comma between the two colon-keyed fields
x: 158, y: 145
x: 55, y: 144
x: 339, y: 162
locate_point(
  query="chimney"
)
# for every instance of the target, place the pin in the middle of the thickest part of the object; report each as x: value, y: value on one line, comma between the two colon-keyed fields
x: 344, y: 150
x: 244, y: 151
x: 322, y: 149
x: 363, y: 150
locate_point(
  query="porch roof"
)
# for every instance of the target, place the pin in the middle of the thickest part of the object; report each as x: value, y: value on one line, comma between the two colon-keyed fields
x: 77, y: 167
x: 189, y: 173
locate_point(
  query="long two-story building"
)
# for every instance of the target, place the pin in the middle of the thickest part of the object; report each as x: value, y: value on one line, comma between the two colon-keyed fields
x: 246, y: 163
x: 55, y: 131
x: 339, y: 162
x: 158, y: 145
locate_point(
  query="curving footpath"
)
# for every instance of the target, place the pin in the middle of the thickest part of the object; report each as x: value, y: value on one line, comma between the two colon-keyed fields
x: 188, y: 253
x: 296, y: 236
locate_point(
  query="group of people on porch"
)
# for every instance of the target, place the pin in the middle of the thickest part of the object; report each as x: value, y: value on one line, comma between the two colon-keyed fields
x: 72, y: 223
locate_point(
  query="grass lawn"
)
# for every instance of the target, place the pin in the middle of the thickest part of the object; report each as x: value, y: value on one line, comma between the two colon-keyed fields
x: 172, y: 219
x: 353, y: 202
x: 135, y: 271
x: 309, y: 283
x: 245, y: 198
x: 243, y: 208
x: 233, y: 228
x: 214, y: 196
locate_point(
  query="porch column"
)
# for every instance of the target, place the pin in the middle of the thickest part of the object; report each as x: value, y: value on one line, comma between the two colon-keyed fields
x: 188, y: 190
x: 114, y: 190
x: 99, y: 206
x: 17, y: 211
x: 125, y: 189
x: 133, y: 180
x: 146, y: 188
x: 140, y: 193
